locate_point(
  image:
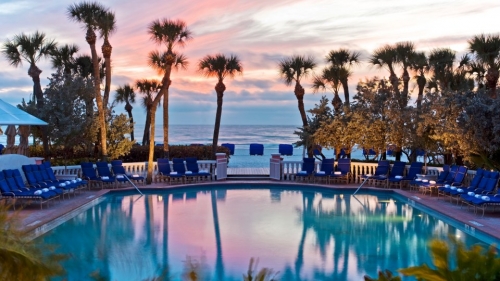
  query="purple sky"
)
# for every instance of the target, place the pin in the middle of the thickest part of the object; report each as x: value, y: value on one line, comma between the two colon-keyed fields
x: 259, y: 33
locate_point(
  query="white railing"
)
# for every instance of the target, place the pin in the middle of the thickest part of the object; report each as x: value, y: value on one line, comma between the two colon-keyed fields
x: 136, y: 168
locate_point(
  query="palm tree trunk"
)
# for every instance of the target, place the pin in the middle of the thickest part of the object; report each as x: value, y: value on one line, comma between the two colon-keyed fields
x: 346, y: 92
x: 299, y: 94
x: 219, y: 88
x: 406, y: 82
x: 421, y: 84
x: 131, y: 124
x: 35, y: 72
x: 106, y: 51
x: 149, y: 177
x: 147, y: 125
x: 166, y: 85
x: 91, y: 38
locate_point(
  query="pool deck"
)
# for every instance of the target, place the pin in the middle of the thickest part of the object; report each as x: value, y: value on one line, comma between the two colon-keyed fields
x: 31, y: 218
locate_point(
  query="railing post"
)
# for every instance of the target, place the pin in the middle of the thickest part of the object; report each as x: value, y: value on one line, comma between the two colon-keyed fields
x: 221, y: 166
x: 275, y: 169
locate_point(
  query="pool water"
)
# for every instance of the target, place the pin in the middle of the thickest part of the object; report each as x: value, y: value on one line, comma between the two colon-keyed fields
x: 304, y: 234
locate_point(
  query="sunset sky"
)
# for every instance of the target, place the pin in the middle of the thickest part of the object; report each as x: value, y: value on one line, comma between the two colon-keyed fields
x: 260, y: 33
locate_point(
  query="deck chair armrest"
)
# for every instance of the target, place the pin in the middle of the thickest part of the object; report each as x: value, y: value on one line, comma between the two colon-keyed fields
x: 9, y: 193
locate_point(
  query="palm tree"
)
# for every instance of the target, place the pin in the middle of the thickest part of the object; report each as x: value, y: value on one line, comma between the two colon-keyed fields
x: 172, y: 33
x: 219, y: 66
x: 31, y: 48
x: 331, y: 79
x: 486, y: 49
x: 441, y: 64
x: 343, y: 59
x: 90, y: 14
x: 294, y: 69
x: 405, y: 55
x: 107, y: 25
x: 126, y: 95
x: 159, y: 61
x: 386, y: 56
x: 147, y: 87
x: 420, y: 64
x: 63, y: 58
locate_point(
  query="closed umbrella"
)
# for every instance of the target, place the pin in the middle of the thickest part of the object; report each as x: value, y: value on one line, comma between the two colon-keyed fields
x: 24, y: 132
x: 11, y: 139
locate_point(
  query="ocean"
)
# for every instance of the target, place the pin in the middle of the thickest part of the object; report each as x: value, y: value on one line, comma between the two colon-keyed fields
x: 239, y: 135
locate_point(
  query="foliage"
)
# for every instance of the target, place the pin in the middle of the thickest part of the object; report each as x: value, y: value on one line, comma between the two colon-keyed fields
x: 118, y: 143
x: 454, y: 262
x: 384, y: 276
x: 20, y: 258
x: 65, y: 109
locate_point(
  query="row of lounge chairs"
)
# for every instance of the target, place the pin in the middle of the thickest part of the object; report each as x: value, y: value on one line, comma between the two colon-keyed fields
x: 327, y: 172
x: 183, y: 170
x: 42, y: 185
x: 112, y: 176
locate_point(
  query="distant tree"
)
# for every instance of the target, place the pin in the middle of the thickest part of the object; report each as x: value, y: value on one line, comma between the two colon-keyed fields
x: 125, y: 94
x: 343, y: 60
x: 148, y: 88
x: 172, y: 34
x: 405, y: 56
x: 65, y: 111
x: 420, y: 65
x: 31, y: 48
x: 486, y: 50
x: 220, y: 67
x: 441, y: 64
x: 387, y: 56
x: 90, y: 14
x: 294, y: 69
x: 63, y: 58
x: 330, y: 79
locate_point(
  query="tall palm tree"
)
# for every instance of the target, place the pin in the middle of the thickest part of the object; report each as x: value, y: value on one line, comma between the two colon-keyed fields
x: 148, y: 88
x: 89, y: 14
x: 344, y: 59
x: 405, y: 54
x: 171, y: 33
x: 31, y: 48
x: 486, y: 49
x: 159, y: 61
x: 420, y: 64
x: 386, y: 56
x: 331, y: 79
x: 294, y: 69
x: 107, y: 25
x: 219, y: 66
x: 441, y: 64
x: 125, y: 94
x: 63, y: 58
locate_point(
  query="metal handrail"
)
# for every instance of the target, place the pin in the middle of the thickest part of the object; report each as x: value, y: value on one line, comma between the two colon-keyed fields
x: 132, y: 183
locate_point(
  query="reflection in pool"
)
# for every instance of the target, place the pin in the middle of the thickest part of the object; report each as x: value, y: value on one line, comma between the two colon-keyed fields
x: 308, y: 234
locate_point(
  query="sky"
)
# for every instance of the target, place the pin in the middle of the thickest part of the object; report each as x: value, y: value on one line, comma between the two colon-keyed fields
x: 260, y: 33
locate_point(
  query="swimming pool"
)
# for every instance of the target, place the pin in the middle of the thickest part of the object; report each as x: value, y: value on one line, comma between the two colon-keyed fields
x: 304, y: 233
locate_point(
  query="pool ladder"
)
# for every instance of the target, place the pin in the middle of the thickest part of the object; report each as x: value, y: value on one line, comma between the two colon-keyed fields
x: 367, y: 178
x: 132, y: 184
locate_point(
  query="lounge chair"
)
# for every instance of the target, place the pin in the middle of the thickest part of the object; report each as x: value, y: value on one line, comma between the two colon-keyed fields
x: 285, y: 149
x: 485, y: 198
x: 89, y: 173
x: 443, y: 175
x: 325, y: 170
x: 453, y: 191
x: 119, y: 172
x: 103, y: 170
x: 192, y: 166
x: 343, y: 172
x: 229, y: 146
x: 179, y: 172
x: 12, y: 191
x: 380, y: 172
x: 413, y: 171
x: 163, y: 170
x: 307, y: 169
x: 80, y: 183
x: 457, y: 180
x: 256, y: 149
x: 397, y: 170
